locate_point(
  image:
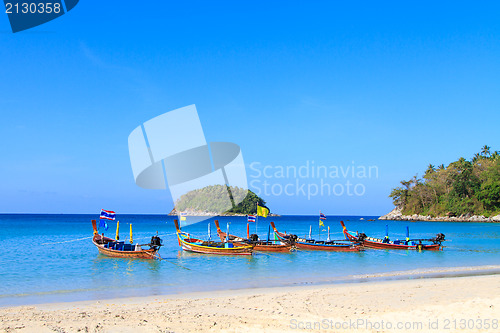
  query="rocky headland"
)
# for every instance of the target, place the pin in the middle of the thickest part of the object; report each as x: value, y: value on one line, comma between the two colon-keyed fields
x: 397, y: 215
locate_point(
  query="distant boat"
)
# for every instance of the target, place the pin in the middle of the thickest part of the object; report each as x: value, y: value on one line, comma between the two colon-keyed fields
x: 385, y: 243
x: 313, y: 245
x: 187, y: 243
x: 361, y: 219
x: 115, y: 248
x: 259, y: 245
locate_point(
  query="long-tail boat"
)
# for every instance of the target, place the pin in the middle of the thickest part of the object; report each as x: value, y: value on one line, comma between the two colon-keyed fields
x: 259, y: 245
x: 188, y: 243
x: 314, y: 245
x: 115, y: 248
x: 386, y: 243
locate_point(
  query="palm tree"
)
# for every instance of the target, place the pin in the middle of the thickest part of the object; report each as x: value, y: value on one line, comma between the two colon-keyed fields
x: 485, y: 151
x: 406, y: 184
x: 430, y: 169
x: 415, y: 180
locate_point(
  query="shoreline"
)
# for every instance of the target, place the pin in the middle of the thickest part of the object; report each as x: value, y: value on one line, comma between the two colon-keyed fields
x: 273, y: 309
x: 397, y: 215
x: 415, y: 274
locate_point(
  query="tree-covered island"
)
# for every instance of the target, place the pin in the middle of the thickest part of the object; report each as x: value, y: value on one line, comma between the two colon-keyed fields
x: 218, y: 200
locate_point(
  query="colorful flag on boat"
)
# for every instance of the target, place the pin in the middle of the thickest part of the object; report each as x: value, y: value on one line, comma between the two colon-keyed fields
x: 107, y: 214
x: 103, y: 224
x: 262, y: 211
x: 183, y: 216
x: 251, y: 218
x: 321, y: 224
x: 322, y: 216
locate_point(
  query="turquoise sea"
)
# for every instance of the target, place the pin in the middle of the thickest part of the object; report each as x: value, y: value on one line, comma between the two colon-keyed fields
x: 50, y: 258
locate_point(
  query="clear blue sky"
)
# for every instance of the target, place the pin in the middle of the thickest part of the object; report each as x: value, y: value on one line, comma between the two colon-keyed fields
x: 387, y: 84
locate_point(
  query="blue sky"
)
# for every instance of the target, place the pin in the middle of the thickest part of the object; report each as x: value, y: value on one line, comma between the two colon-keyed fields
x: 391, y: 85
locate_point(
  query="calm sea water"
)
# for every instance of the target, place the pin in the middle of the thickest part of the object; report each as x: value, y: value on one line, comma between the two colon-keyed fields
x: 48, y: 258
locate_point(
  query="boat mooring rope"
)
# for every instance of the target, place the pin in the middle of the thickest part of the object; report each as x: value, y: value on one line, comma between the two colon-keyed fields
x: 68, y: 241
x: 84, y: 238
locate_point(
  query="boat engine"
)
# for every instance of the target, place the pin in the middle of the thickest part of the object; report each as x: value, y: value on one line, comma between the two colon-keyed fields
x: 361, y: 237
x: 439, y: 238
x: 156, y: 242
x: 293, y: 238
x: 254, y: 237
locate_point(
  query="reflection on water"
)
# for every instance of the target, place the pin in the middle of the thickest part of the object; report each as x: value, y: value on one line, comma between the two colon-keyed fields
x: 48, y: 270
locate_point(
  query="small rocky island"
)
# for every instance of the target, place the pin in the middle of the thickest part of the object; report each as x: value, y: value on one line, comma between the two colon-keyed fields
x: 219, y: 200
x: 463, y: 191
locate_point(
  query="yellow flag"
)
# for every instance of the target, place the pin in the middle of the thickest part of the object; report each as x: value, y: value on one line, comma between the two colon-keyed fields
x: 262, y: 211
x: 321, y: 224
x: 117, y: 230
x: 131, y: 239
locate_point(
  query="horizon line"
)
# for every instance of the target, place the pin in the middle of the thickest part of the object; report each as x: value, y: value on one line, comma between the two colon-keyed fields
x: 175, y: 215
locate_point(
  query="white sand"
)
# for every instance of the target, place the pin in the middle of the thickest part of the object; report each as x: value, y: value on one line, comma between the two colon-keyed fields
x: 414, y: 303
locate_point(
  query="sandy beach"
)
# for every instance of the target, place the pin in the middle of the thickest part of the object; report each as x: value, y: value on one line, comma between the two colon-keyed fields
x: 451, y: 304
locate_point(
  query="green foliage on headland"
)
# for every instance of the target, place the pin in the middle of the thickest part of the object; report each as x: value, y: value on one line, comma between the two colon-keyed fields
x: 219, y: 199
x: 462, y: 187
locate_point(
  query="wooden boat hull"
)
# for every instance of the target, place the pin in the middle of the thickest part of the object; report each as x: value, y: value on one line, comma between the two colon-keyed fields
x: 196, y: 245
x: 142, y: 254
x: 382, y: 246
x: 302, y: 245
x: 214, y: 250
x: 379, y: 245
x: 273, y: 248
x: 326, y: 247
x: 259, y: 246
x: 191, y: 246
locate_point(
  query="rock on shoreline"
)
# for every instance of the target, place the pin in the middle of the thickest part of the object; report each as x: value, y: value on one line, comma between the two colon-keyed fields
x: 397, y: 215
